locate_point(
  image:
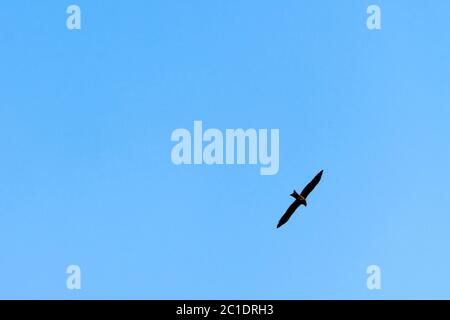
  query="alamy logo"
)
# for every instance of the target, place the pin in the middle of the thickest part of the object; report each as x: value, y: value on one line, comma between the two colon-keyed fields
x: 236, y: 146
x: 73, y: 21
x: 374, y: 279
x: 73, y: 281
x: 374, y: 20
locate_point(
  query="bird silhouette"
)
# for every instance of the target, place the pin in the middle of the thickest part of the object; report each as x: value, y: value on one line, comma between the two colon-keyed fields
x: 300, y: 199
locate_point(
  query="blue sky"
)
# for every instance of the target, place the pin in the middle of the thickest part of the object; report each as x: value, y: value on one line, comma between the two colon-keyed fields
x: 86, y: 176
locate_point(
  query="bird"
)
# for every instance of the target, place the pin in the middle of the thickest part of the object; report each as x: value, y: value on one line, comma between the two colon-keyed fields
x: 300, y: 199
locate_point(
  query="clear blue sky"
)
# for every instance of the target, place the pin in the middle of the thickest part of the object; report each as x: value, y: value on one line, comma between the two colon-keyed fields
x: 85, y: 170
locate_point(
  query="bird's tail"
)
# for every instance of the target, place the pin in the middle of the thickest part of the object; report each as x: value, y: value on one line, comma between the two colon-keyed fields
x: 294, y: 194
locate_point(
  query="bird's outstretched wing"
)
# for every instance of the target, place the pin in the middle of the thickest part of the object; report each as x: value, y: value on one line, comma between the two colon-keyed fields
x: 310, y: 186
x: 289, y: 212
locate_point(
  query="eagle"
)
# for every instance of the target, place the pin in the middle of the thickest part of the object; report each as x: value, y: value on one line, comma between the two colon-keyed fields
x: 300, y: 199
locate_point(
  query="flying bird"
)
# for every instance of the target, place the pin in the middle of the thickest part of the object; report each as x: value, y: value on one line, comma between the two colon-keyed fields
x: 300, y: 199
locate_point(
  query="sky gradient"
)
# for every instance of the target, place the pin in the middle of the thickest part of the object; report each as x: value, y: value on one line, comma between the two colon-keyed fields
x: 86, y: 176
